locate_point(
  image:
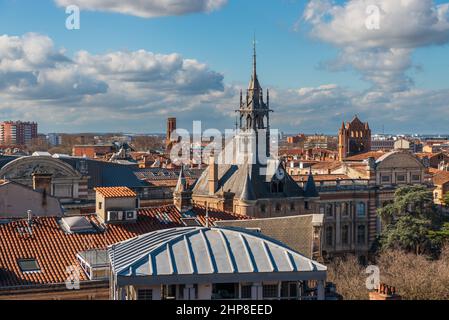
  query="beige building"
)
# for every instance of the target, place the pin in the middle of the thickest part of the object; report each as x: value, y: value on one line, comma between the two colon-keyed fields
x: 119, y: 204
x: 441, y: 182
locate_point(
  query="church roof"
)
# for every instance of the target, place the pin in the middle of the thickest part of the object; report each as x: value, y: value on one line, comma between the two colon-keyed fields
x: 248, y: 192
x: 233, y: 178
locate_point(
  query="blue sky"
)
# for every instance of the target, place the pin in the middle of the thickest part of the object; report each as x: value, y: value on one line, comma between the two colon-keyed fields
x: 290, y: 58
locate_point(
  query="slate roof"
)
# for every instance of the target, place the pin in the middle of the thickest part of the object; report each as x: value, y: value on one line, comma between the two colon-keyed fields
x: 310, y: 190
x: 233, y: 178
x: 107, y: 174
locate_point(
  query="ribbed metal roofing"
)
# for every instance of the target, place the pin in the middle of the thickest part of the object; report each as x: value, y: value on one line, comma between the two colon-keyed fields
x: 204, y: 251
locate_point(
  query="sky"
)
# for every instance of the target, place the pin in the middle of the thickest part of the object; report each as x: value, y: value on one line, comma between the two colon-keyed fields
x: 132, y: 64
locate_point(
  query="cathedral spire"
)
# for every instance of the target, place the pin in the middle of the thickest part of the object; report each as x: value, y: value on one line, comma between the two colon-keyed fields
x: 254, y: 58
x: 254, y: 85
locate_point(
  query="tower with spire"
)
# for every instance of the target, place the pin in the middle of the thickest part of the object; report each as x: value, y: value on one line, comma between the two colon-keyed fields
x: 254, y: 112
x: 182, y: 195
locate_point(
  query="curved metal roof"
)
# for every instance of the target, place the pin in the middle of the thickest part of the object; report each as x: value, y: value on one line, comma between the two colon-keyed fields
x: 204, y: 251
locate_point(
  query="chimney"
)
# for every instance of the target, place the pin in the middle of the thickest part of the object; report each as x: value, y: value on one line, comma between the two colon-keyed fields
x: 384, y: 293
x: 213, y: 175
x: 30, y: 217
x: 42, y: 182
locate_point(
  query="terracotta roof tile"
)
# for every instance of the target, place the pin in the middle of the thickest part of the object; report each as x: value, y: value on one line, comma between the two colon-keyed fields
x: 360, y: 157
x: 116, y: 192
x: 56, y: 250
x: 441, y: 177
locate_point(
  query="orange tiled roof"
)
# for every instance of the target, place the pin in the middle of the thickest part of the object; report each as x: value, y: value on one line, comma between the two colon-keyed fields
x: 321, y: 177
x: 56, y: 250
x: 116, y: 192
x: 326, y: 165
x: 360, y: 157
x: 441, y: 177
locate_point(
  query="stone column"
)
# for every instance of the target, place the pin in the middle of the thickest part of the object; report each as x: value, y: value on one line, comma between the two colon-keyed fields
x: 257, y: 291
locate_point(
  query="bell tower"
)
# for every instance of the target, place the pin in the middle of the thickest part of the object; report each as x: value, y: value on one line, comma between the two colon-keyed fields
x: 254, y: 112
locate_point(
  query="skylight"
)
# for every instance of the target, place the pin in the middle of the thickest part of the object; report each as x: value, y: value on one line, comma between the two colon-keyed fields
x: 28, y: 265
x: 77, y: 225
x: 191, y: 222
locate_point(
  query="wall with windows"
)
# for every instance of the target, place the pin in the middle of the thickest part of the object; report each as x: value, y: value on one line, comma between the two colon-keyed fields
x: 346, y: 226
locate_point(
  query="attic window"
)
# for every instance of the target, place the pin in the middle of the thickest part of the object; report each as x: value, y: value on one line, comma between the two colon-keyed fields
x: 190, y: 222
x: 28, y: 265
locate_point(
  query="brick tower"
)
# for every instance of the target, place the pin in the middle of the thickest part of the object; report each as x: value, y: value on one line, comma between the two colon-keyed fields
x: 354, y: 138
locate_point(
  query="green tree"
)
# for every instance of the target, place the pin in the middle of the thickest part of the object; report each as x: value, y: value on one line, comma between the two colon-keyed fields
x: 410, y: 221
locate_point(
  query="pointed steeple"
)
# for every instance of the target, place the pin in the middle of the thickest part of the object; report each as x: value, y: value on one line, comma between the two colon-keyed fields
x: 254, y: 85
x: 310, y: 190
x: 182, y: 182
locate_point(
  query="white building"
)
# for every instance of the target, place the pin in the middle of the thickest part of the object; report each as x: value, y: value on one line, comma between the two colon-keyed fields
x: 198, y: 263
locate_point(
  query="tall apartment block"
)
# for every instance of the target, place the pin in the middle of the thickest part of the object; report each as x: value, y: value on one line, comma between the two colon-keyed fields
x: 17, y: 132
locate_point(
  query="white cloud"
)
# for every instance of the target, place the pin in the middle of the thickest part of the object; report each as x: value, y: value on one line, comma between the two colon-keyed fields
x: 42, y: 83
x: 147, y: 8
x: 382, y: 55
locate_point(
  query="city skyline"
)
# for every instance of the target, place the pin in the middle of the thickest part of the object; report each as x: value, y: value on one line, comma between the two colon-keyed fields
x: 128, y: 68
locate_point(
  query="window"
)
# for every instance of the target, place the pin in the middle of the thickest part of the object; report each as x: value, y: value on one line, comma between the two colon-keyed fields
x: 385, y: 179
x: 400, y: 178
x: 344, y: 209
x: 329, y: 210
x: 225, y: 291
x: 416, y: 177
x: 329, y: 236
x: 322, y: 209
x: 361, y: 234
x: 345, y: 235
x: 145, y: 294
x: 270, y: 291
x: 289, y: 290
x: 278, y: 207
x: 246, y: 291
x: 292, y: 206
x: 306, y: 205
x: 100, y: 205
x: 263, y: 208
x: 361, y: 209
x: 28, y: 265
